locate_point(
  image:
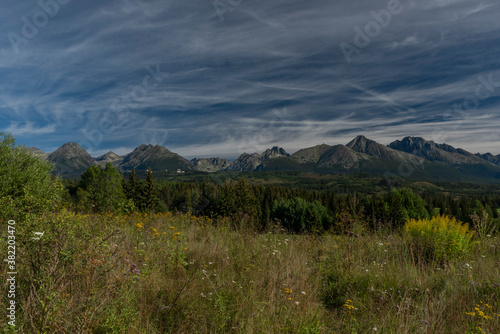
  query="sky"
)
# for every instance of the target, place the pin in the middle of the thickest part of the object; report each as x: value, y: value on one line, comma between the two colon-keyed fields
x: 219, y: 78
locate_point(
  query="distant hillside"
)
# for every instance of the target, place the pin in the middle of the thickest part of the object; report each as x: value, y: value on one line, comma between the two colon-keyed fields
x: 110, y: 157
x: 71, y: 158
x: 439, y: 153
x: 38, y: 152
x: 311, y: 154
x: 494, y: 159
x: 412, y: 157
x: 211, y: 165
x: 157, y: 157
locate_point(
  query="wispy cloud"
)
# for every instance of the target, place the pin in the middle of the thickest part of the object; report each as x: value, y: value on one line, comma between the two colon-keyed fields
x: 223, y: 79
x: 20, y: 129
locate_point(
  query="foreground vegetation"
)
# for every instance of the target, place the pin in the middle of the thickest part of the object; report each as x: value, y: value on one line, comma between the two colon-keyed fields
x: 169, y: 273
x: 105, y: 255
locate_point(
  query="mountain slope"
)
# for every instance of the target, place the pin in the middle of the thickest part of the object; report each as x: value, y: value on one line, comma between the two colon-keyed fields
x: 439, y: 153
x: 494, y: 159
x: 210, y: 165
x: 38, y: 152
x: 310, y: 154
x: 340, y: 156
x: 364, y: 145
x: 110, y: 157
x: 157, y: 157
x: 255, y: 161
x: 71, y: 158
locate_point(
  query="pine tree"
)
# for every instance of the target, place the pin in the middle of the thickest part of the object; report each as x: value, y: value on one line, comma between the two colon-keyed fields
x: 133, y: 190
x: 150, y: 201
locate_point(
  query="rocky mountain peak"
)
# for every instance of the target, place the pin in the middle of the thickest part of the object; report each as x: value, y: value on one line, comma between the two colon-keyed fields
x: 38, y: 152
x: 361, y: 144
x: 71, y: 158
x: 70, y: 150
x: 156, y: 157
x: 441, y: 153
x: 411, y: 144
x: 210, y: 164
x: 110, y: 157
x: 274, y: 152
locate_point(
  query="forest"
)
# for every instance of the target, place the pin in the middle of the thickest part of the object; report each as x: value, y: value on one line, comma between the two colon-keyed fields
x: 297, y: 209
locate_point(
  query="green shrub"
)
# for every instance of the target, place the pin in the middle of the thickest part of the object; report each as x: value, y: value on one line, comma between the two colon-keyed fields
x: 26, y: 185
x: 100, y: 190
x: 439, y: 238
x: 300, y: 216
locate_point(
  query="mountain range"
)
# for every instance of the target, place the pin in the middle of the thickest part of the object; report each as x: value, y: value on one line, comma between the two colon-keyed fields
x: 411, y: 156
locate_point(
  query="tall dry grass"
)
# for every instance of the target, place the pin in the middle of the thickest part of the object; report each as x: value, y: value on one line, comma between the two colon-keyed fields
x: 171, y: 273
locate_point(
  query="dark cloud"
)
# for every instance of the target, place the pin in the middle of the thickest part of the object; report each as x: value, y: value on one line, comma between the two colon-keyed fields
x: 112, y: 75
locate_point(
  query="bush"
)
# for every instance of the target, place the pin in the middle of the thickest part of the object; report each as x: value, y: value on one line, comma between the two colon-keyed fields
x: 26, y: 185
x: 300, y: 216
x: 439, y: 238
x: 100, y: 190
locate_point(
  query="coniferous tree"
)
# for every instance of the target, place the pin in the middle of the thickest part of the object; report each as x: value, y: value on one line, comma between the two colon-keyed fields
x: 226, y: 205
x: 150, y: 200
x: 396, y: 213
x: 134, y: 189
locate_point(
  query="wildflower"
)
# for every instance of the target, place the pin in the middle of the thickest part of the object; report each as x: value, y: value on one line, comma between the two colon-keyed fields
x: 303, y: 292
x: 297, y: 303
x: 349, y: 306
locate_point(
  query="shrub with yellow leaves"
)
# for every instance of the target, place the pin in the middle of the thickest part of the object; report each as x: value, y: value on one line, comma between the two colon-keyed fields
x: 439, y: 238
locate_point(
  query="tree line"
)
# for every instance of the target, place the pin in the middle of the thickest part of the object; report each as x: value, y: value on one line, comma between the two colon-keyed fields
x: 296, y: 209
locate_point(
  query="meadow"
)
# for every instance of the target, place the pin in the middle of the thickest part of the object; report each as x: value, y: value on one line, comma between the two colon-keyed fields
x: 178, y: 273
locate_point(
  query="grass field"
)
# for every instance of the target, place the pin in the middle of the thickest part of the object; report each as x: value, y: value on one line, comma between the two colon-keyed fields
x: 171, y: 273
